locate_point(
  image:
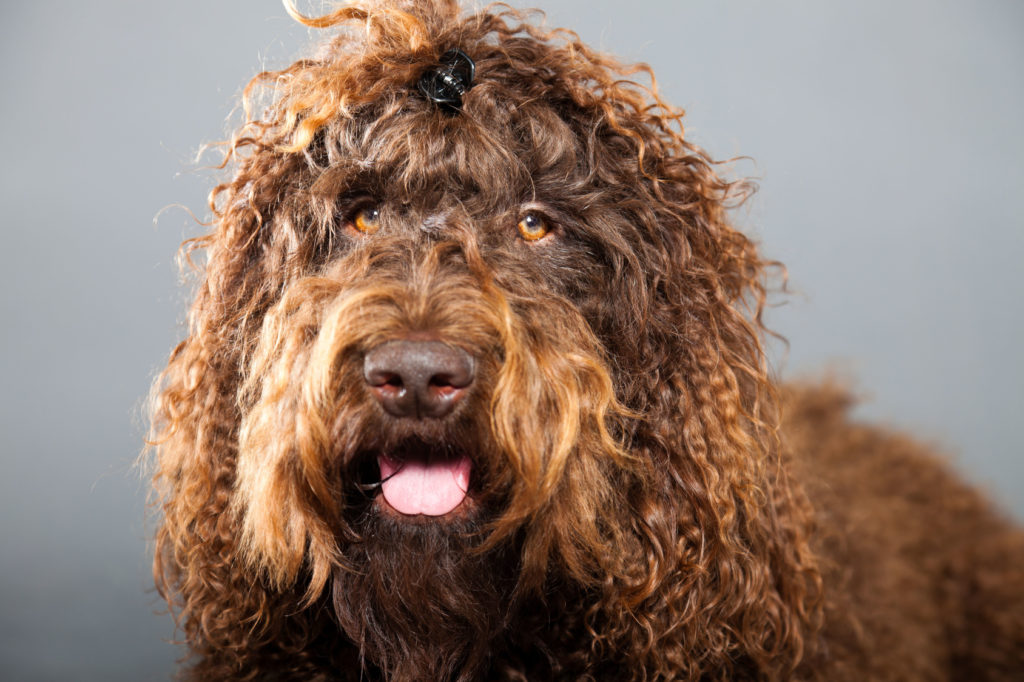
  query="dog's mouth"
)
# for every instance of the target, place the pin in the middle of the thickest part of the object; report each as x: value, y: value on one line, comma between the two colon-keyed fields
x: 419, y: 479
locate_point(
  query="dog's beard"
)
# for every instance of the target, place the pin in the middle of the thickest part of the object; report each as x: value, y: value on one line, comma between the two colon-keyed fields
x: 419, y: 602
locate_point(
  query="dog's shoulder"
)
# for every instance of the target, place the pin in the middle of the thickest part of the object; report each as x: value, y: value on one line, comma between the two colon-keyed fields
x: 918, y: 565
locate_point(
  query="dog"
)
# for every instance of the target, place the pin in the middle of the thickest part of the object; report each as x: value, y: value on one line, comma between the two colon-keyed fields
x: 475, y: 388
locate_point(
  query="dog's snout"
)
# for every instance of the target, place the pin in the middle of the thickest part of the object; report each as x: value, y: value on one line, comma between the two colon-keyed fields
x: 418, y: 379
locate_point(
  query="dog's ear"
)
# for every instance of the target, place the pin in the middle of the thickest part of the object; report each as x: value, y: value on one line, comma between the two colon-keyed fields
x: 721, y: 566
x: 260, y: 239
x: 194, y: 436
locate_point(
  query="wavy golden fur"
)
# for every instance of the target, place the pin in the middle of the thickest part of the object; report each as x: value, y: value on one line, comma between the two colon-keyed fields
x: 634, y: 513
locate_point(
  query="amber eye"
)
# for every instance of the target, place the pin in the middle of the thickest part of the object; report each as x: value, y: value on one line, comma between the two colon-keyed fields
x: 367, y: 220
x: 533, y: 227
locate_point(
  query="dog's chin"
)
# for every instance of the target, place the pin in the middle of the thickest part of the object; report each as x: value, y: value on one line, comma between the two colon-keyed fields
x: 418, y: 598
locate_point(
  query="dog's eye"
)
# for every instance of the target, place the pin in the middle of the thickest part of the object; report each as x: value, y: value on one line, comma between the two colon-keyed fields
x: 533, y: 227
x: 366, y: 219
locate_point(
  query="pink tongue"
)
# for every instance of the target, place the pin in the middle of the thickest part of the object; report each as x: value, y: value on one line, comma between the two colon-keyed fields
x: 432, y: 487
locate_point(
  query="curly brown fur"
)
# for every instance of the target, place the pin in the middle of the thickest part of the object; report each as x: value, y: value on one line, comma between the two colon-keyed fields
x: 633, y: 513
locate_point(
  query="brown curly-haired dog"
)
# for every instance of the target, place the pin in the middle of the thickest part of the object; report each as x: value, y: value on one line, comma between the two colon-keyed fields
x: 476, y: 389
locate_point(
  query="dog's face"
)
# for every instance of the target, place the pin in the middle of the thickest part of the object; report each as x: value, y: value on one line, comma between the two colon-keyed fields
x: 445, y: 356
x: 462, y: 295
x: 436, y: 367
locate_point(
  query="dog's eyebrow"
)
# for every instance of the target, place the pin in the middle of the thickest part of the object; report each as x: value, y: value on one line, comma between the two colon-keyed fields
x: 349, y: 180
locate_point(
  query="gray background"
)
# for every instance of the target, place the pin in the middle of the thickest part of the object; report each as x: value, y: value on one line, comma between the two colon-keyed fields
x: 885, y: 135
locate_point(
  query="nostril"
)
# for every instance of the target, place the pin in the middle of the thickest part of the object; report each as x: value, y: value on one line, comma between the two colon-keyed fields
x: 443, y: 387
x: 457, y: 373
x: 382, y: 379
x: 444, y: 381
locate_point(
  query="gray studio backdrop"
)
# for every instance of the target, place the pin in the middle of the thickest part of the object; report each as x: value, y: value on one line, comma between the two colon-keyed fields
x: 885, y: 136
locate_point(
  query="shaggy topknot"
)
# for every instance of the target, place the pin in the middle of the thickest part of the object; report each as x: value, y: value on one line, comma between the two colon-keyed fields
x: 631, y: 514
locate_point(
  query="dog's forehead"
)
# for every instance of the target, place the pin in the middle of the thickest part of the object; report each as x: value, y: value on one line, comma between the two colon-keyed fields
x: 496, y: 152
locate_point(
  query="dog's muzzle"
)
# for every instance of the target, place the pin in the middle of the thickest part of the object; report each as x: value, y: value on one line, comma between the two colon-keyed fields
x: 421, y: 380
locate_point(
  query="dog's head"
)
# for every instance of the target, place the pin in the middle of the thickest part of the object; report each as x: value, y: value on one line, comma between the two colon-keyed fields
x: 473, y: 323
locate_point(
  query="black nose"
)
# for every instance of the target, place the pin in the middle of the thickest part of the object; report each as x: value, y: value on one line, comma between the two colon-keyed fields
x: 420, y: 379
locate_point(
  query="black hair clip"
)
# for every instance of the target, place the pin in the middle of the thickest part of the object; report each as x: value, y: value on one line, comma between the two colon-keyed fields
x: 446, y: 83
